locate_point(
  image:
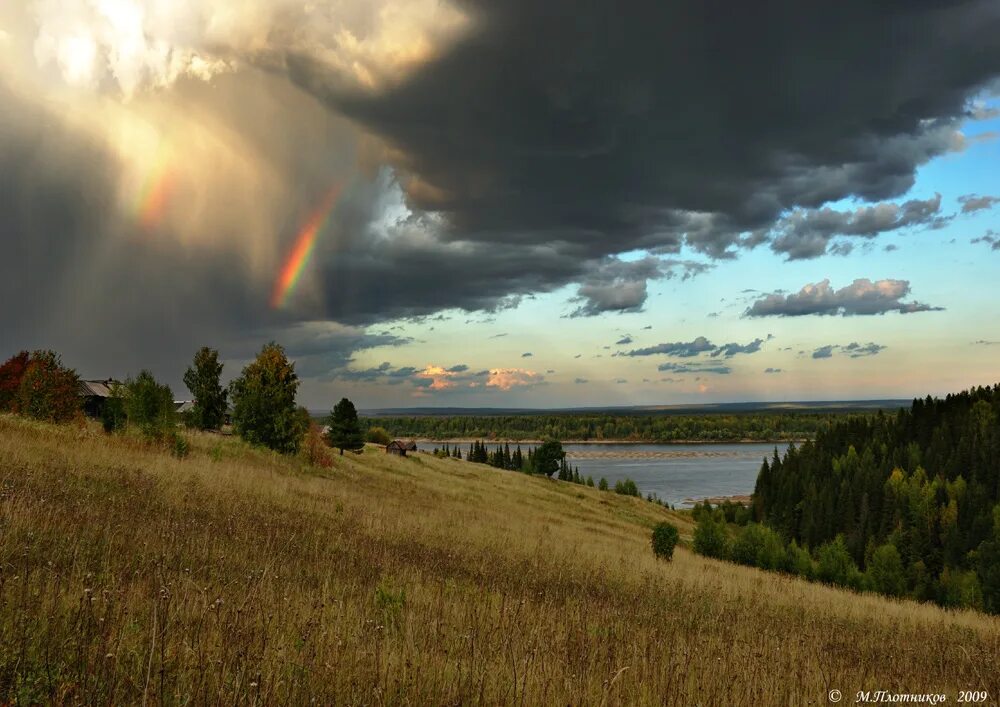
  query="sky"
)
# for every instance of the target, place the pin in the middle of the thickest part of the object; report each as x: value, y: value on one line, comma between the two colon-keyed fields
x: 508, y: 203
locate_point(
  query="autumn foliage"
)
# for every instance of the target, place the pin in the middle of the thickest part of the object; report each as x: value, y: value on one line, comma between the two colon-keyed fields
x: 39, y: 386
x: 11, y: 373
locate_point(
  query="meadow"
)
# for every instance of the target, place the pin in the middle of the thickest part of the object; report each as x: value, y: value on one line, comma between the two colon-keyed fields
x: 240, y: 576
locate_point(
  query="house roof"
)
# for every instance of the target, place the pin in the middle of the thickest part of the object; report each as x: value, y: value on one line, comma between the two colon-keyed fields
x: 98, y: 388
x: 408, y: 445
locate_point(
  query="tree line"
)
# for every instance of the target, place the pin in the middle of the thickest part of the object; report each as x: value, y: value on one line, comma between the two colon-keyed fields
x: 710, y: 427
x: 905, y: 505
x: 259, y: 404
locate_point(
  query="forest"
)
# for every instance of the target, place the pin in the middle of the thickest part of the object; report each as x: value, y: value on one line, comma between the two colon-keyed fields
x: 762, y: 427
x: 914, y: 495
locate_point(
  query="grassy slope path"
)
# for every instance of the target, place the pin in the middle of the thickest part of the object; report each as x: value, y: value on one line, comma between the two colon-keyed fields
x: 237, y: 576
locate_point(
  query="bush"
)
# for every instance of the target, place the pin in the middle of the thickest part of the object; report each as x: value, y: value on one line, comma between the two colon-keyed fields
x: 379, y: 435
x: 710, y: 538
x: 149, y: 406
x: 759, y: 546
x: 602, y: 484
x: 627, y: 487
x: 799, y: 561
x: 665, y: 537
x: 48, y: 390
x: 264, y: 411
x: 835, y: 564
x: 590, y: 481
x: 113, y: 417
x: 179, y: 446
x: 315, y: 448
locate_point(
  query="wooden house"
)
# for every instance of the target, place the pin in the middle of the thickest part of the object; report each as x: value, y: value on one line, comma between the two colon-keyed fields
x: 400, y: 447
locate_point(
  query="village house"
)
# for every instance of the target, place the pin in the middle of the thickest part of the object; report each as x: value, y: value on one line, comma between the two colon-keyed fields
x: 95, y: 394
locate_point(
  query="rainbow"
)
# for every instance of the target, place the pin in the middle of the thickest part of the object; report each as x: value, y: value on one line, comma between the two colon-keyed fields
x: 291, y: 271
x: 155, y: 193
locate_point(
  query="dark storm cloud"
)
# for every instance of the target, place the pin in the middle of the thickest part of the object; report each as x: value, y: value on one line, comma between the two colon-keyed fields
x: 973, y: 202
x: 861, y: 298
x: 531, y: 153
x: 596, y: 134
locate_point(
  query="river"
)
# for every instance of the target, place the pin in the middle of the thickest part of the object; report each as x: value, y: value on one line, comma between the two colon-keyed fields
x: 677, y: 473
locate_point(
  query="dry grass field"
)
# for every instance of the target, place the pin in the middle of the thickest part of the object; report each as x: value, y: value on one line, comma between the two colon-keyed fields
x: 236, y: 576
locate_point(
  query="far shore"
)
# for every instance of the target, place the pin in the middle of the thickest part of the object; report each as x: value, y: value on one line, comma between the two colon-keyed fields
x: 470, y: 440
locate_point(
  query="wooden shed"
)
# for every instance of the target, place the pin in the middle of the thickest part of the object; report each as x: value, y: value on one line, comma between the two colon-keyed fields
x: 400, y: 447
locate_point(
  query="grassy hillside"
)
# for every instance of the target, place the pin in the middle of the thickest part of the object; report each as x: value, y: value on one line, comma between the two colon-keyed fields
x: 237, y: 576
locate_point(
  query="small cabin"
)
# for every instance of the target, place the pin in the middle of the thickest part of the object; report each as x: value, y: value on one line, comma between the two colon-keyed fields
x: 400, y: 447
x: 94, y: 395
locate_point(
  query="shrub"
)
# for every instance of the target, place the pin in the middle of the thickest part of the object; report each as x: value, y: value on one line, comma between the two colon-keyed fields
x: 627, y: 487
x: 602, y: 484
x: 315, y: 448
x: 590, y: 481
x: 665, y: 537
x: 149, y: 405
x: 799, y: 561
x: 835, y: 564
x: 48, y: 390
x: 113, y: 417
x: 179, y: 446
x: 264, y: 411
x: 759, y: 546
x: 379, y: 435
x: 710, y: 538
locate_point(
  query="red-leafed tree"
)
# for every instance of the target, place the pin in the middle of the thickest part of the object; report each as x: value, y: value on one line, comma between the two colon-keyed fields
x: 11, y: 373
x: 48, y: 390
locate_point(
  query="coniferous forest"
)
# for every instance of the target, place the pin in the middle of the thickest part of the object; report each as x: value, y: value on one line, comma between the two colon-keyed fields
x: 914, y: 498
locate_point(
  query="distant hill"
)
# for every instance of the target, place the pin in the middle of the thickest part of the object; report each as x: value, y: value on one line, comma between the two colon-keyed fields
x: 807, y: 406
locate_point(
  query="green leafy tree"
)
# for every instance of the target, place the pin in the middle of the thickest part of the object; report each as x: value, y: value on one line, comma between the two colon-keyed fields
x: 602, y: 484
x: 548, y: 458
x: 664, y: 540
x: 263, y: 397
x: 885, y: 573
x: 835, y: 564
x: 345, y: 431
x: 710, y: 538
x: 759, y: 546
x: 627, y: 487
x: 379, y: 435
x: 48, y: 390
x: 203, y: 380
x: 148, y: 405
